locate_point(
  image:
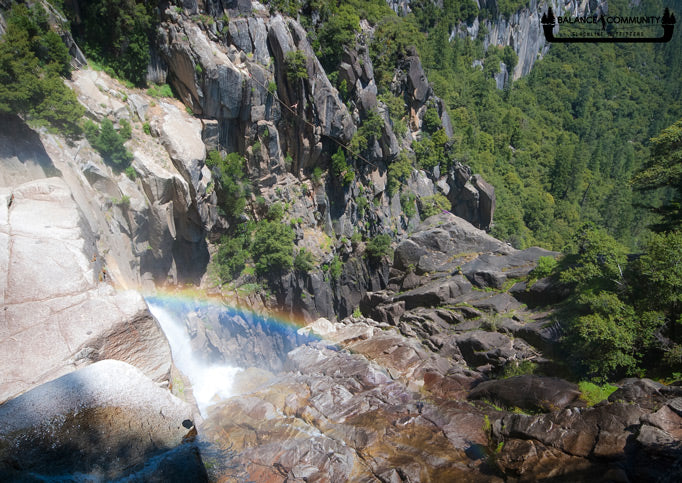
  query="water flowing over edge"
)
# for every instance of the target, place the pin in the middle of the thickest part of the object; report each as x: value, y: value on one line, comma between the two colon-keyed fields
x: 210, y: 382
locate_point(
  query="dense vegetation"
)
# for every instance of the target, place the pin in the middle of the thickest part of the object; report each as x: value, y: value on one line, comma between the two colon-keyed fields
x: 624, y: 313
x: 32, y: 59
x: 561, y: 145
x: 117, y: 33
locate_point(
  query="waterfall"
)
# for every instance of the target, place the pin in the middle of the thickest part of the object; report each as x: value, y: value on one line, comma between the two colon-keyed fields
x: 210, y: 383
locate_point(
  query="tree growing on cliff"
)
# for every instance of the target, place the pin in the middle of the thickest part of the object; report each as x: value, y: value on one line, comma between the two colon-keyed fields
x: 117, y: 33
x: 231, y: 187
x: 272, y: 248
x: 32, y: 57
x: 109, y: 143
x: 295, y: 63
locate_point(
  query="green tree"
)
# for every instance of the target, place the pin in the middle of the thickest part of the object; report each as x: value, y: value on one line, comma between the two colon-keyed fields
x: 659, y: 281
x: 109, y: 143
x: 378, y: 247
x: 338, y: 31
x: 434, y: 205
x: 663, y: 172
x: 398, y: 173
x: 231, y: 187
x: 30, y: 63
x: 608, y: 332
x: 295, y: 63
x: 272, y: 247
x: 304, y: 261
x: 431, y: 122
x: 231, y: 258
x: 595, y: 262
x: 117, y: 33
x: 341, y: 169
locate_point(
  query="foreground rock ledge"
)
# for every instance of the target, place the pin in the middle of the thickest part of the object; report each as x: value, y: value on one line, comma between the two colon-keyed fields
x: 104, y: 421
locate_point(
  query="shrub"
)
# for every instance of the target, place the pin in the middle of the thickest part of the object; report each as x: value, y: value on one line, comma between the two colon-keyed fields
x: 147, y: 128
x: 433, y: 205
x: 304, y: 261
x: 336, y: 268
x: 231, y: 258
x: 341, y: 169
x: 362, y: 205
x: 317, y: 175
x: 108, y: 142
x: 163, y: 90
x: 131, y: 173
x: 295, y: 63
x: 275, y: 212
x: 545, y: 267
x: 368, y: 132
x: 356, y: 238
x: 230, y: 175
x: 379, y: 247
x: 125, y: 131
x: 407, y: 204
x: 273, y: 246
x: 398, y: 172
x: 431, y: 122
x: 594, y: 394
x: 123, y: 201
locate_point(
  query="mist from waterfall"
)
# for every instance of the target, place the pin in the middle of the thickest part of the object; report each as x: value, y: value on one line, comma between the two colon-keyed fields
x: 210, y: 382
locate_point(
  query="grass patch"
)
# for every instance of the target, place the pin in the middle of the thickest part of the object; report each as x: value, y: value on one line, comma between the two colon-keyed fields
x: 593, y: 394
x: 157, y: 91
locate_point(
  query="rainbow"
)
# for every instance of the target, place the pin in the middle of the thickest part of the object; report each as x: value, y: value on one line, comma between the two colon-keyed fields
x: 183, y: 300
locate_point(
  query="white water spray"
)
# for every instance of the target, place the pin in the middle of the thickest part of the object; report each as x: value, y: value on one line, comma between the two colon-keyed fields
x: 210, y: 383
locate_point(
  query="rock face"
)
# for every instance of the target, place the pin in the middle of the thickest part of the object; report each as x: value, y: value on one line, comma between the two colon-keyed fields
x: 106, y: 420
x: 57, y: 312
x: 153, y: 226
x: 522, y: 30
x: 332, y: 402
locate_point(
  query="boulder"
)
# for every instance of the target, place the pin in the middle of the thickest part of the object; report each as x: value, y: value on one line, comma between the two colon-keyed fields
x: 107, y: 419
x: 418, y: 84
x: 490, y: 270
x: 434, y: 293
x: 481, y: 348
x: 601, y: 431
x: 529, y: 392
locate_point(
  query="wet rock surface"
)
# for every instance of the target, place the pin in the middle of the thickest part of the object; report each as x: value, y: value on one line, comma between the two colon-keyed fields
x: 106, y: 420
